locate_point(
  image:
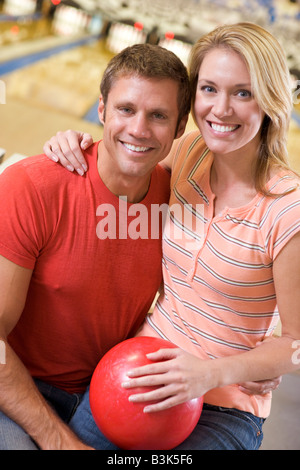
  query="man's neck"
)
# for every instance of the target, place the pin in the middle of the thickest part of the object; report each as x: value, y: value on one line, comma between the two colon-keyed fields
x: 133, y: 187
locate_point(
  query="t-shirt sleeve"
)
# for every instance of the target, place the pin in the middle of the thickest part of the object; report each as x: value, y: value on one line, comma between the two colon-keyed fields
x: 21, y: 217
x: 284, y: 222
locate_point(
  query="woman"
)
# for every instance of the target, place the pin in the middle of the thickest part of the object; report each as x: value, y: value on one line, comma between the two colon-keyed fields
x: 227, y: 284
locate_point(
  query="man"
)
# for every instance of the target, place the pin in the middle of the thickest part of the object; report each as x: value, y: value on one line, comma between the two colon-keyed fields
x: 78, y: 266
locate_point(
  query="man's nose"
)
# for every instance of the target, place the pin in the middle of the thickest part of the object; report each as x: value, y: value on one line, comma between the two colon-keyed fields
x: 139, y: 126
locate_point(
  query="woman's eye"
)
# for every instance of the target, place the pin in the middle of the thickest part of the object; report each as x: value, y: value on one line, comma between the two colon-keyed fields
x: 208, y: 89
x: 244, y: 93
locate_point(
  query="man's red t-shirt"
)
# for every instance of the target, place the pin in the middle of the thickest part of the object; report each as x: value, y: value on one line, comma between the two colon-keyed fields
x: 87, y: 292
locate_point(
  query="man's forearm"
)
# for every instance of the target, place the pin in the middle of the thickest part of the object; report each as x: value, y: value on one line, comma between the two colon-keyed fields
x: 22, y: 402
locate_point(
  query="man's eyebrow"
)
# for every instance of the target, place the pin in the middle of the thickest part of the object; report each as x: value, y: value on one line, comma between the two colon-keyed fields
x: 129, y: 104
x: 124, y: 102
x: 160, y: 110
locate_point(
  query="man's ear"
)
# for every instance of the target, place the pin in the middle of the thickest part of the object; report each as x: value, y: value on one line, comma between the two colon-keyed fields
x: 181, y: 126
x: 101, y: 110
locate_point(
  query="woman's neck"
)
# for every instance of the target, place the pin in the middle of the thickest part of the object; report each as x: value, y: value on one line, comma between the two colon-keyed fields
x: 232, y: 181
x: 228, y: 170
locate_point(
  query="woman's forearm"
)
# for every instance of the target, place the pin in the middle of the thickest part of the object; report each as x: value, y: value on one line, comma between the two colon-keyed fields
x: 271, y: 359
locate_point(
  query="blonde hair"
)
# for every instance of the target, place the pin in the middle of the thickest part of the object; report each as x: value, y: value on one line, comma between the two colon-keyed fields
x: 271, y: 87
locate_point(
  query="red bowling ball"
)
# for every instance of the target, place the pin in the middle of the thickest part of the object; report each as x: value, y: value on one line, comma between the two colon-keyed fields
x: 124, y: 423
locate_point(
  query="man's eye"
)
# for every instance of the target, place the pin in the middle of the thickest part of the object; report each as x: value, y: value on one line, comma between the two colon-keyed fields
x: 125, y: 110
x: 158, y: 116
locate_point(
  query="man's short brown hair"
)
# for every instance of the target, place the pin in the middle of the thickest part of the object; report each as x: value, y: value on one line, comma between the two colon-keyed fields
x: 149, y: 61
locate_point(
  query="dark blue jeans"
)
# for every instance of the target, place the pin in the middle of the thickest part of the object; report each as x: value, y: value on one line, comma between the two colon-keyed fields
x: 218, y: 428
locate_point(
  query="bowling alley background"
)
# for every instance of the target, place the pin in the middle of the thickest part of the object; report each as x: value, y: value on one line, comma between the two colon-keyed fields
x: 53, y: 53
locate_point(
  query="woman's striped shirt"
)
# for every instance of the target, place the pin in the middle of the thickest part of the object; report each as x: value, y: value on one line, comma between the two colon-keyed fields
x: 219, y: 297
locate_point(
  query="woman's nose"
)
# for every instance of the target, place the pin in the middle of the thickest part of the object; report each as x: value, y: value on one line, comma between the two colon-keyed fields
x: 222, y: 107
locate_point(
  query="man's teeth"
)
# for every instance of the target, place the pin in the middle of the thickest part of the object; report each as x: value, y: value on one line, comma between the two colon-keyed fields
x: 134, y: 148
x: 217, y: 127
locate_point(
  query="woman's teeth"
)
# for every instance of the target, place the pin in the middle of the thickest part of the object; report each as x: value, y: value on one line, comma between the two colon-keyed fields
x: 219, y: 128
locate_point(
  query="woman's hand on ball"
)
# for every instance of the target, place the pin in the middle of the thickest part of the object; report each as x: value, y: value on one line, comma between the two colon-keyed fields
x: 178, y: 376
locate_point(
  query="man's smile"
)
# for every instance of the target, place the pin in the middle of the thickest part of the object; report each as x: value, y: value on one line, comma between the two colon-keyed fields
x: 135, y: 148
